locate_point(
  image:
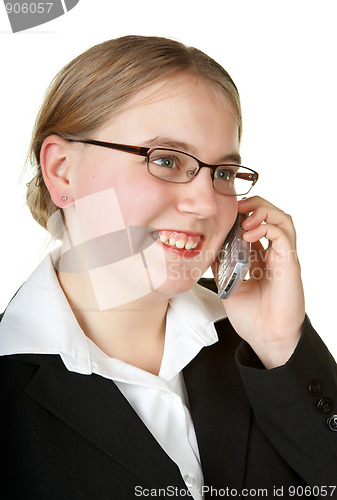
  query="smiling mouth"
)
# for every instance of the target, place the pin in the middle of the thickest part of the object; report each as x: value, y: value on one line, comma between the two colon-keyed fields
x: 179, y: 240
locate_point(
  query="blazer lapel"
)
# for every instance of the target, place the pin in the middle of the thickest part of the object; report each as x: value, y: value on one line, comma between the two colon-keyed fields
x: 95, y: 408
x: 220, y: 410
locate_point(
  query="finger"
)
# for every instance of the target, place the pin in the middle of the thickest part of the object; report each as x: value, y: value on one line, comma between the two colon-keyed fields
x: 266, y: 212
x: 271, y: 216
x: 250, y: 204
x: 257, y: 260
x: 280, y: 241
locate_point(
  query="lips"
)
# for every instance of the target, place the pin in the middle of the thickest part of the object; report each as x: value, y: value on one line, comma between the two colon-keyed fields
x: 179, y: 240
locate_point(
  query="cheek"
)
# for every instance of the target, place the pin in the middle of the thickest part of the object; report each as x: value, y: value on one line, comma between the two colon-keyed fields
x: 89, y: 177
x: 137, y: 203
x: 228, y: 210
x: 142, y: 199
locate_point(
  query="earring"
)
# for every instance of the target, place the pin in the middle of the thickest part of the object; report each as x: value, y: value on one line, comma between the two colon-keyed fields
x: 64, y: 198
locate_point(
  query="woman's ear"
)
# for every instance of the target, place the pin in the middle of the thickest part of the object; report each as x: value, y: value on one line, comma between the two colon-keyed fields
x: 55, y: 165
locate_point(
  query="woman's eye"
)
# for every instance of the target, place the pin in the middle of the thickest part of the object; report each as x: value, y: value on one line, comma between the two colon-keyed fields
x: 165, y: 162
x: 224, y: 174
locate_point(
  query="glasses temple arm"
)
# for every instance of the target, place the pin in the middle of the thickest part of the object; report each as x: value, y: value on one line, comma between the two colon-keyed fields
x: 253, y: 177
x: 120, y: 147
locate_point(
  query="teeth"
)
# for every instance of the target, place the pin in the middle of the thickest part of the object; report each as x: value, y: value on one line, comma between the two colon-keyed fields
x: 189, y: 245
x: 179, y: 241
x: 163, y: 238
x: 181, y: 244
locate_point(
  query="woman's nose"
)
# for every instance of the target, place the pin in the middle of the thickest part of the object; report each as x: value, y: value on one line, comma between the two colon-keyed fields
x: 198, y: 196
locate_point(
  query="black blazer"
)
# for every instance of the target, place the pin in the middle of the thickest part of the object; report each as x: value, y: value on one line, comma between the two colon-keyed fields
x: 70, y: 436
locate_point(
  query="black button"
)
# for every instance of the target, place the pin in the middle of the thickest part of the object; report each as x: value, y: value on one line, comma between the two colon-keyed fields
x: 324, y: 405
x: 315, y: 388
x: 332, y: 422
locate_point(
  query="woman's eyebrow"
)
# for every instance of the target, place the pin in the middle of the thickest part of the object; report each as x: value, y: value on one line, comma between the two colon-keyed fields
x: 169, y: 142
x: 231, y: 157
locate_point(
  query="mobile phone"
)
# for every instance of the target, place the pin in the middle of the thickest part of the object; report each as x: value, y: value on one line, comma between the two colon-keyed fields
x: 233, y: 260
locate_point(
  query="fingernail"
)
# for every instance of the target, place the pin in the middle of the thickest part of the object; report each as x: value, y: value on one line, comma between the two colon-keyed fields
x: 247, y: 219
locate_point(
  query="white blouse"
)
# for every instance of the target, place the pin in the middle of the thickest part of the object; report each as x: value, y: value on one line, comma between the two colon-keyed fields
x: 39, y: 320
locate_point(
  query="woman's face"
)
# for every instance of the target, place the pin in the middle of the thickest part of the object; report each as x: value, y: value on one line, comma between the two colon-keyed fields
x: 180, y: 113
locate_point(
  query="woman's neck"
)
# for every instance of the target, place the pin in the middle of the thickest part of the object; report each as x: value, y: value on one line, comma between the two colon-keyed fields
x: 133, y: 332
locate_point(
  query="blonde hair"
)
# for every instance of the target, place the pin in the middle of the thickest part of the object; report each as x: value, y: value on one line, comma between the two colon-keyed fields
x: 87, y: 91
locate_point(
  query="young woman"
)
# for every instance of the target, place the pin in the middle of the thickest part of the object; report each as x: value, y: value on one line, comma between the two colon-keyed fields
x: 121, y: 377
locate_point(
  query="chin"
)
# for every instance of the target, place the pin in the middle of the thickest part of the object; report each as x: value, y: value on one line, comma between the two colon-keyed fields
x: 176, y: 284
x: 173, y: 275
x: 170, y: 290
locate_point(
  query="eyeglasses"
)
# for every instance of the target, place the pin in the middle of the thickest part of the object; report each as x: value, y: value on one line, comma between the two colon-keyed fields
x: 171, y: 165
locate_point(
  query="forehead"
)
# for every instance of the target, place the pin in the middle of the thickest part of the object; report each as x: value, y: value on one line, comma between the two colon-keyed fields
x: 183, y: 107
x: 177, y: 86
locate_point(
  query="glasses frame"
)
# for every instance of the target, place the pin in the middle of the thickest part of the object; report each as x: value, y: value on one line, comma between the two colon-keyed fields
x: 146, y: 152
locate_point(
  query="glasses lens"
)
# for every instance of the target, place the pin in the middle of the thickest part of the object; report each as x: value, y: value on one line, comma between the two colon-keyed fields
x: 232, y: 180
x: 172, y: 166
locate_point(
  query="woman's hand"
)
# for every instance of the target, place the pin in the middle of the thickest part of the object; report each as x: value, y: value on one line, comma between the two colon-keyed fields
x: 268, y: 309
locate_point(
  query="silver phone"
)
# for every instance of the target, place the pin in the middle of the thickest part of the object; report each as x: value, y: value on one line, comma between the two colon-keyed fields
x: 233, y: 260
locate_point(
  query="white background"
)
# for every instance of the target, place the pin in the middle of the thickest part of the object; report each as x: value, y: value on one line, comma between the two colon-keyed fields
x: 282, y: 56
